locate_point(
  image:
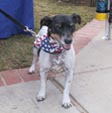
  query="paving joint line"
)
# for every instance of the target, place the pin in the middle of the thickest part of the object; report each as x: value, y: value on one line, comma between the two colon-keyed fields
x: 75, y: 103
x: 94, y: 70
x: 4, y: 82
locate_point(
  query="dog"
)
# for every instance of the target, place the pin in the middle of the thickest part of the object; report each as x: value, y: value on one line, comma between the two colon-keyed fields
x: 57, y: 31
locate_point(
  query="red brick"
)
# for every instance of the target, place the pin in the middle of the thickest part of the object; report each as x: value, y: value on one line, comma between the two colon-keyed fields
x: 11, y: 77
x: 87, y: 33
x: 26, y: 76
x: 79, y: 44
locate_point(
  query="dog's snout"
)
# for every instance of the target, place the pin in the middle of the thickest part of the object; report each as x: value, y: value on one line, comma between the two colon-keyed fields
x: 68, y: 41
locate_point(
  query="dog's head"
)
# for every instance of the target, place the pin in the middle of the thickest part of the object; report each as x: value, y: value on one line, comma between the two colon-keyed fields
x: 61, y: 28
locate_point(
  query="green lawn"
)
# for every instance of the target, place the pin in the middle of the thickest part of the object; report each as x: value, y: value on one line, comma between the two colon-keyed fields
x: 16, y: 52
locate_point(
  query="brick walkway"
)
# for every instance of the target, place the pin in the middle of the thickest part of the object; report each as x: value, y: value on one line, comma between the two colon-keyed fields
x: 82, y: 38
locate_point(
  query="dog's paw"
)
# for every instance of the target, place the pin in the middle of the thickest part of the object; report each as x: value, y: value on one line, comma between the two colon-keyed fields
x: 40, y: 98
x: 66, y: 105
x: 31, y: 70
x: 66, y: 102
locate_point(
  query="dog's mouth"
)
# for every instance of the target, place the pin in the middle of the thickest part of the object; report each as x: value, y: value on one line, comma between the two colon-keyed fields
x: 67, y: 46
x: 58, y: 39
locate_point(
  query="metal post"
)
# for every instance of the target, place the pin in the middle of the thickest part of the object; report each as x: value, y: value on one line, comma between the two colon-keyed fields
x: 107, y: 35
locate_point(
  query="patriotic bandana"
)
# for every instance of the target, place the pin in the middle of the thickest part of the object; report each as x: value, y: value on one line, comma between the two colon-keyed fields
x: 48, y: 45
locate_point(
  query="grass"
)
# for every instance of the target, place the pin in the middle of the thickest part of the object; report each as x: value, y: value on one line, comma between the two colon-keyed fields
x: 16, y: 52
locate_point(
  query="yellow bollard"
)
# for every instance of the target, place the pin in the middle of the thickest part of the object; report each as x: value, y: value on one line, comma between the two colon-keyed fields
x: 101, y: 16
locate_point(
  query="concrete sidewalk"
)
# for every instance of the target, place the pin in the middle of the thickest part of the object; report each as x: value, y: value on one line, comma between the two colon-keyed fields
x: 91, y: 90
x: 92, y: 84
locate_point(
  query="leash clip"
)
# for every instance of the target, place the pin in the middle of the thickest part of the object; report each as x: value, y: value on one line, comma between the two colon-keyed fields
x: 31, y: 31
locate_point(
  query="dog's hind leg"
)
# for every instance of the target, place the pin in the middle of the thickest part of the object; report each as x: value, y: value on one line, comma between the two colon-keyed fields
x: 43, y: 31
x: 35, y: 56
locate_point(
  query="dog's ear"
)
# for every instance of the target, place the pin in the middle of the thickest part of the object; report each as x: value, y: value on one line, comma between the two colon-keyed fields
x: 76, y: 18
x: 46, y: 21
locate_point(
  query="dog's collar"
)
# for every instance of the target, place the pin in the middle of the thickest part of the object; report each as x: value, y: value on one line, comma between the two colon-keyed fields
x: 48, y: 45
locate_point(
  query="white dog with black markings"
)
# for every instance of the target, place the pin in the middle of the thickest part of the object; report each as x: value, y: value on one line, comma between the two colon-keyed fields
x: 54, y: 43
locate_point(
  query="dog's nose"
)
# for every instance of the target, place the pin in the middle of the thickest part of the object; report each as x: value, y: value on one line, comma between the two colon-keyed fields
x: 68, y: 41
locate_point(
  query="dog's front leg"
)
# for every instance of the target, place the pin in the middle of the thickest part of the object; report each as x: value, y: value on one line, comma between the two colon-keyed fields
x: 66, y: 97
x: 69, y: 69
x: 44, y: 68
x: 32, y: 67
x: 43, y: 78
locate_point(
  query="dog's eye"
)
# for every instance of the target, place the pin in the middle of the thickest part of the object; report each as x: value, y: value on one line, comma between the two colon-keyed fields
x: 58, y: 25
x: 72, y: 25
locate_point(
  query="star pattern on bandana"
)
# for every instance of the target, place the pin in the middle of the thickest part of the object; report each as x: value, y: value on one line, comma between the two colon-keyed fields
x: 48, y: 45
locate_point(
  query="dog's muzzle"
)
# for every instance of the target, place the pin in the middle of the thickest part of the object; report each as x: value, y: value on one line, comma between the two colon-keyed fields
x: 68, y: 41
x: 67, y: 44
